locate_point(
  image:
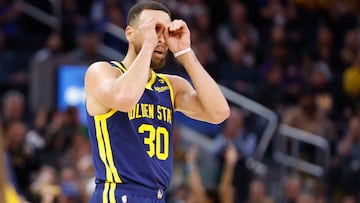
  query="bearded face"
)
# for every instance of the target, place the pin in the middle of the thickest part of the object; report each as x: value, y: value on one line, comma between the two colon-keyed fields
x: 157, y: 63
x: 158, y: 58
x: 160, y: 51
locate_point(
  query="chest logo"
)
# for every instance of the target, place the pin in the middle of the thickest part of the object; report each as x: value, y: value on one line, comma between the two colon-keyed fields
x: 161, y: 88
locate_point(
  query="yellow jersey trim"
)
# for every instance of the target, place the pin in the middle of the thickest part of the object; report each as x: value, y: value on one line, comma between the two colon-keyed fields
x: 101, y: 147
x: 105, y: 195
x: 104, y: 146
x: 121, y: 67
x: 151, y: 81
x: 148, y: 84
x: 105, y: 115
x: 109, y: 154
x: 112, y: 192
x: 162, y: 76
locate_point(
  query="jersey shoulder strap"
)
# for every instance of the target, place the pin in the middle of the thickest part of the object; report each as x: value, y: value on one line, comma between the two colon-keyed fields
x: 118, y: 65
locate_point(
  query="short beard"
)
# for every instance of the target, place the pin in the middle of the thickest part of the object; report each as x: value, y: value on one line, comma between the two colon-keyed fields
x: 154, y: 64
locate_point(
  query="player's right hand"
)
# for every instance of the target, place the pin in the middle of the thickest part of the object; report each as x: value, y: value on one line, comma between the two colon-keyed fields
x: 149, y: 32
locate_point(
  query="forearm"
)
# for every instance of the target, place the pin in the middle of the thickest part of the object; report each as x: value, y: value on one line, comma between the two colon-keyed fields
x: 130, y: 86
x: 208, y: 92
x: 225, y: 186
x: 195, y: 182
x: 227, y: 176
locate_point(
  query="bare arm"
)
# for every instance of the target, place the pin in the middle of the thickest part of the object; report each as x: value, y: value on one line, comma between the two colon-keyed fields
x: 197, y: 190
x: 205, y: 101
x: 226, y: 190
x: 106, y: 88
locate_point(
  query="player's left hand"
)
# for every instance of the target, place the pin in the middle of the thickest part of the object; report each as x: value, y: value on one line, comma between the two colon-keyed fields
x: 177, y: 36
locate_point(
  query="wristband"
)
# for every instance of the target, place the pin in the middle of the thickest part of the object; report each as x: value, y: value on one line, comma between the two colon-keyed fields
x: 184, y: 51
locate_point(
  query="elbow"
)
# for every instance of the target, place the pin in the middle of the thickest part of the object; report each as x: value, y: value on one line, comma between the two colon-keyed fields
x: 125, y: 103
x: 221, y: 115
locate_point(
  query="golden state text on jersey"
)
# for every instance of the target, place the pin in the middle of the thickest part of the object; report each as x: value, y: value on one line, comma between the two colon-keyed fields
x: 136, y: 146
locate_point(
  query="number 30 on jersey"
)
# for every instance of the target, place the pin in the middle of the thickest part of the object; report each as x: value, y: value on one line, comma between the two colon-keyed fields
x: 157, y: 137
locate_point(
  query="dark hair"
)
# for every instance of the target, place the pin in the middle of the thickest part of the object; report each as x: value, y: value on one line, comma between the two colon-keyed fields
x: 136, y: 10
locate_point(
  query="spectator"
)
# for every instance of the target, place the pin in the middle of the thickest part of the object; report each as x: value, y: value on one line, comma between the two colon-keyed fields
x: 46, y: 185
x: 306, y: 116
x: 179, y: 148
x: 53, y: 46
x: 257, y: 193
x: 225, y: 192
x: 197, y: 192
x: 277, y: 54
x: 236, y: 23
x: 202, y: 24
x: 275, y: 12
x: 292, y: 189
x: 71, y: 21
x: 188, y: 9
x: 321, y: 83
x: 349, y: 51
x: 349, y: 152
x: 13, y: 106
x: 35, y: 137
x: 78, y: 157
x: 226, y: 189
x: 324, y: 49
x: 306, y: 198
x: 23, y: 162
x: 70, y: 187
x: 87, y: 50
x: 7, y: 183
x: 207, y: 57
x: 270, y: 91
x: 320, y: 78
x: 114, y: 15
x: 235, y: 133
x: 237, y: 74
x: 54, y: 140
x: 72, y: 123
x: 42, y: 70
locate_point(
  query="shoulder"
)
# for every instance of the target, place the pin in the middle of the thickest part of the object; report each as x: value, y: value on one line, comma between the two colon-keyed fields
x: 98, y: 66
x: 176, y: 81
x: 101, y: 69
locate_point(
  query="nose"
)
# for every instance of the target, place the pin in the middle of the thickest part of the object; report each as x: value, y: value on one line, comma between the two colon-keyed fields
x: 160, y: 29
x: 161, y: 38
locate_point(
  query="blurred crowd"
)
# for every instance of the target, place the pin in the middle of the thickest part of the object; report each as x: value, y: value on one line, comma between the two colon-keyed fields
x: 299, y: 58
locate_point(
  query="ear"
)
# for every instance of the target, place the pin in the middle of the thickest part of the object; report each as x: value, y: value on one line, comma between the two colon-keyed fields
x: 129, y: 32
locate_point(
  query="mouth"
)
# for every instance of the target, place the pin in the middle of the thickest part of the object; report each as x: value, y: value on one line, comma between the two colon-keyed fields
x: 159, y: 52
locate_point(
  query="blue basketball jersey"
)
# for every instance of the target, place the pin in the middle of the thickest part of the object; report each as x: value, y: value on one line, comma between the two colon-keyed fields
x: 136, y: 146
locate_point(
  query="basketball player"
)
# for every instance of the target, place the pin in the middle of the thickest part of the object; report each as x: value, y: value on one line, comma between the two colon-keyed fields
x: 131, y: 108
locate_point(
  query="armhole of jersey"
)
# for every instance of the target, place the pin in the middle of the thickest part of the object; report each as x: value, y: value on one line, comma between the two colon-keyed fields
x: 121, y: 68
x: 105, y: 115
x: 162, y: 76
x: 118, y: 65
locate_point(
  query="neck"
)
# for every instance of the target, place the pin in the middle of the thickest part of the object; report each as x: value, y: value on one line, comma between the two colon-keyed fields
x: 129, y: 59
